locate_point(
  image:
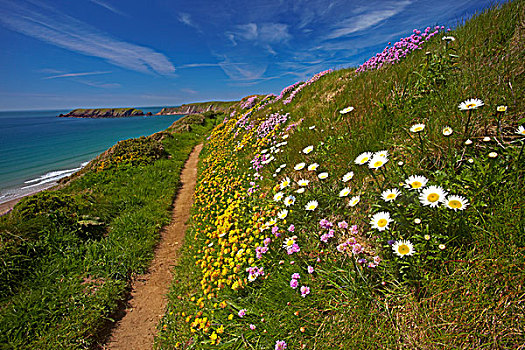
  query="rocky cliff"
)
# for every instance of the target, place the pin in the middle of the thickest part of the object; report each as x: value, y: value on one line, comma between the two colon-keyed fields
x: 200, y: 107
x: 103, y: 113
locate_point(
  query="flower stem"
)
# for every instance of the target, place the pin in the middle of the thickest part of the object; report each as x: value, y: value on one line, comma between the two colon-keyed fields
x: 469, y: 112
x: 375, y: 178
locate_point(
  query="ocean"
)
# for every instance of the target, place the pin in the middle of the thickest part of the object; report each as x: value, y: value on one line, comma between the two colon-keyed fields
x: 37, y: 148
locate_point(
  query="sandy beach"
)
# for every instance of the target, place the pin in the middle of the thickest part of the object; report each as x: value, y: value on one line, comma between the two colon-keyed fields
x: 7, y: 206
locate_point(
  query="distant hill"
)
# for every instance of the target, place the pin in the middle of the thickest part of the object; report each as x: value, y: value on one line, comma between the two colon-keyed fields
x: 199, y: 107
x: 103, y: 113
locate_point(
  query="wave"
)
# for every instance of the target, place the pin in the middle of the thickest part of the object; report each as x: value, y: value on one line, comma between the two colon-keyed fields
x: 52, y: 176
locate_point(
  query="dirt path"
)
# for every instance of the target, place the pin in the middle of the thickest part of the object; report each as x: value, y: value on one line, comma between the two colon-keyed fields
x: 148, y: 297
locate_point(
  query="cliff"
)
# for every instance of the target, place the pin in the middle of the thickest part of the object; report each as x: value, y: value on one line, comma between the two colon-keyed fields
x: 199, y: 107
x: 103, y: 113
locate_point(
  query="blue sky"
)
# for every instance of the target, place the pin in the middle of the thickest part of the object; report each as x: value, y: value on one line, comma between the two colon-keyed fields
x: 98, y: 53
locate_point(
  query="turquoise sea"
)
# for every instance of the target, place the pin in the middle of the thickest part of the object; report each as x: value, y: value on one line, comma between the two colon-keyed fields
x: 37, y: 148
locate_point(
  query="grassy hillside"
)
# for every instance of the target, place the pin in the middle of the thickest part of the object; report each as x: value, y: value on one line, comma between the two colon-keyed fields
x: 299, y: 238
x: 67, y: 256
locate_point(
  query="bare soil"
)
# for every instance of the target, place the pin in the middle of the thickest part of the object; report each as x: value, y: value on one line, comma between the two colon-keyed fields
x: 148, y: 300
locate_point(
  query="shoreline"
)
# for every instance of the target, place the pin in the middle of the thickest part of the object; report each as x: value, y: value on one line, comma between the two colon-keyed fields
x: 7, y: 206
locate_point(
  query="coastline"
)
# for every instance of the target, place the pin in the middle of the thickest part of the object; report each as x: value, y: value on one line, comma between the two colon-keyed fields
x: 7, y: 206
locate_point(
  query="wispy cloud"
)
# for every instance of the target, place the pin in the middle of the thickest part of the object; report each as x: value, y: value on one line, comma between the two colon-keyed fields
x: 186, y: 19
x: 109, y: 7
x: 59, y: 29
x: 71, y: 75
x: 264, y: 33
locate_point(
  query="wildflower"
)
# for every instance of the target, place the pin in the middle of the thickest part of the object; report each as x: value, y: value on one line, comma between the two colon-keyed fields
x: 426, y: 237
x: 305, y: 291
x: 291, y: 228
x: 303, y: 183
x: 469, y: 104
x: 441, y: 246
x: 344, y: 192
x: 282, y: 166
x: 470, y: 160
x: 493, y: 155
x: 252, y: 327
x: 310, y: 269
x: 417, y: 221
x: 299, y: 166
x: 294, y: 283
x: 282, y: 214
x: 402, y: 248
x: 308, y: 149
x: 348, y: 176
x: 296, y: 276
x: 377, y: 162
x: 280, y: 345
x: 290, y: 200
x: 400, y: 163
x: 354, y: 200
x: 346, y: 110
x: 390, y: 195
x: 468, y: 142
x: 380, y: 220
x: 311, y: 205
x: 447, y: 131
x: 456, y: 203
x: 432, y: 196
x: 383, y: 153
x: 322, y: 176
x: 285, y: 183
x: 486, y: 139
x: 448, y: 38
x: 325, y: 224
x: 288, y: 243
x: 300, y: 190
x: 501, y: 109
x: 342, y: 224
x: 357, y: 249
x: 278, y: 196
x: 363, y: 158
x: 520, y: 130
x: 417, y: 128
x: 415, y: 182
x: 313, y: 166
x: 242, y: 313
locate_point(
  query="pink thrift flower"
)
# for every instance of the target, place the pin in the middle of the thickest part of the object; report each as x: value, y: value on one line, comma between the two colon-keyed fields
x: 275, y: 229
x: 296, y: 276
x: 267, y: 241
x: 291, y: 228
x: 280, y: 345
x: 311, y: 269
x: 357, y: 249
x: 242, y: 312
x: 305, y: 291
x: 252, y: 327
x: 343, y: 225
x: 294, y: 283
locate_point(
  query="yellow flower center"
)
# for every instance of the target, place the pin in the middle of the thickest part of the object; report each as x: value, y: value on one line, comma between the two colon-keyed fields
x: 378, y: 164
x: 364, y: 160
x: 454, y: 204
x: 391, y: 196
x: 418, y: 128
x: 433, y: 197
x: 470, y: 105
x: 416, y: 184
x: 403, y: 249
x: 382, y: 223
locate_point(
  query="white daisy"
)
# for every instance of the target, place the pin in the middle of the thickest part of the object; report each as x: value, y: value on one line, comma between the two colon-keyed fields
x: 278, y: 196
x: 501, y: 109
x: 299, y: 166
x: 380, y: 220
x: 432, y: 196
x: 456, y: 203
x: 448, y: 38
x: 285, y: 137
x: 520, y: 130
x: 363, y: 158
x: 303, y: 183
x: 313, y: 166
x: 468, y: 142
x: 346, y: 110
x: 285, y: 183
x: 290, y: 200
x: 402, y: 248
x: 282, y: 166
x: 300, y: 190
x: 322, y: 176
x: 311, y: 205
x: 282, y: 214
x: 344, y: 192
x: 354, y: 200
x: 308, y: 149
x: 447, y: 131
x: 493, y: 155
x: 469, y: 104
x: 377, y: 162
x: 311, y: 127
x: 348, y: 176
x: 383, y: 153
x: 417, y: 128
x: 415, y: 182
x: 271, y: 223
x: 288, y: 243
x: 390, y: 195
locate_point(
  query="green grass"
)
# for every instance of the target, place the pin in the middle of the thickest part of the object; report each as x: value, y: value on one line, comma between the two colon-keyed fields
x: 466, y: 295
x: 67, y: 256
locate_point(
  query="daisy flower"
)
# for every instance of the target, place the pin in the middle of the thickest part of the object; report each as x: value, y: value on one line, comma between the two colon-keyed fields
x: 380, y: 220
x: 390, y: 195
x: 344, y: 192
x: 493, y: 155
x: 448, y: 38
x: 311, y: 205
x: 415, y: 182
x: 303, y: 183
x: 299, y: 166
x: 402, y: 248
x: 469, y: 104
x: 290, y: 200
x: 313, y: 167
x: 282, y: 214
x: 322, y: 176
x: 311, y: 127
x: 417, y: 128
x: 353, y: 201
x: 285, y: 183
x: 377, y: 162
x: 278, y: 196
x: 447, y: 131
x: 346, y: 110
x: 308, y: 149
x: 520, y: 130
x: 501, y: 109
x: 432, y: 196
x: 348, y: 176
x: 288, y: 243
x: 363, y: 158
x: 300, y: 190
x: 383, y: 153
x: 456, y: 203
x: 468, y: 142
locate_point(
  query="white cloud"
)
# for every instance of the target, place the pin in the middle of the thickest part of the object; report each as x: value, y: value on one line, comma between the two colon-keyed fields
x: 71, y: 75
x: 263, y: 33
x: 187, y: 20
x: 109, y: 7
x: 61, y: 30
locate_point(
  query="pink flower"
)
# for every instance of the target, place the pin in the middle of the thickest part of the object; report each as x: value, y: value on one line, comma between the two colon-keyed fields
x: 343, y: 225
x: 296, y: 276
x: 311, y: 269
x: 294, y: 283
x: 280, y: 345
x: 242, y: 312
x: 252, y: 327
x: 267, y: 241
x: 291, y: 228
x: 305, y: 291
